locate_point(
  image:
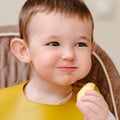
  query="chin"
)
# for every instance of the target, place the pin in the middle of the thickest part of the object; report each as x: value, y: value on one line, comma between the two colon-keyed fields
x: 67, y: 83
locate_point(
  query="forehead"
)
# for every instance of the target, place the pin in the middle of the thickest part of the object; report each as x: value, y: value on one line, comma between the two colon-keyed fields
x: 63, y: 15
x: 41, y: 20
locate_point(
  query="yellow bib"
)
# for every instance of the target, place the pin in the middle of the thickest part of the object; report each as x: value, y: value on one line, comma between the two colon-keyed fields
x: 15, y: 106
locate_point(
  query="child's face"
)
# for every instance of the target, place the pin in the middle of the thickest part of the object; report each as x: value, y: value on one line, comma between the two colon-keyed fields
x: 60, y: 48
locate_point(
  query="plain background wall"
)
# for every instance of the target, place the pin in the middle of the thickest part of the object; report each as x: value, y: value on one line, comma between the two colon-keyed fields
x: 106, y: 32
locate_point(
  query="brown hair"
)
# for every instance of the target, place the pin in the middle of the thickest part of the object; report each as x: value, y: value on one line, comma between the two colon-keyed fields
x: 67, y: 7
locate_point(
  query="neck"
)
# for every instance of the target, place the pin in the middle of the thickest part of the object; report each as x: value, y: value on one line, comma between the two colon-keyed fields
x: 44, y: 92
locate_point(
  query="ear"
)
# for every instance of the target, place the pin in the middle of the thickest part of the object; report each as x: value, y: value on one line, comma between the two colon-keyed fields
x: 93, y: 46
x: 20, y: 49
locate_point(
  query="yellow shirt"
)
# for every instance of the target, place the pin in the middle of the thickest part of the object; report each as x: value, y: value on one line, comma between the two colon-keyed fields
x: 14, y: 105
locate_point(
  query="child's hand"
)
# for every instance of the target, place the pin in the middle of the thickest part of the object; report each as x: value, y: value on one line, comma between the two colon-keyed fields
x: 93, y: 106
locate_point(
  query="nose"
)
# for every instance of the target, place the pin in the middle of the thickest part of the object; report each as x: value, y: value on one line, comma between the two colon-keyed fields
x: 68, y: 54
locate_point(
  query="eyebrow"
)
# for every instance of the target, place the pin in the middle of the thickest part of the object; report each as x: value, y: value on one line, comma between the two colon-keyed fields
x: 59, y: 37
x: 85, y: 38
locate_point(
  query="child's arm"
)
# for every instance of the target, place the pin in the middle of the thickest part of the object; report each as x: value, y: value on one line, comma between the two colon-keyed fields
x: 93, y: 106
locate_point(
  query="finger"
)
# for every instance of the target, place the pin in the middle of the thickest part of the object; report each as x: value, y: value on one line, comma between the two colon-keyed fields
x: 94, y: 102
x: 95, y: 97
x: 89, y: 113
x: 86, y: 111
x: 89, y: 106
x: 93, y: 92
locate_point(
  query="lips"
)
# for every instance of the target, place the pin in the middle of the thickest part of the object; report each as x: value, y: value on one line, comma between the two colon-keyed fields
x: 68, y: 68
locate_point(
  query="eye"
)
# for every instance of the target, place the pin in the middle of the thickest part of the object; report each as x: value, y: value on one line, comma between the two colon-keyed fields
x: 53, y: 44
x: 81, y: 44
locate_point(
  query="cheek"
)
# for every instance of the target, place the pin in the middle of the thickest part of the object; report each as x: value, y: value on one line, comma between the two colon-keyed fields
x: 88, y: 63
x: 49, y: 58
x: 85, y: 62
x: 87, y: 57
x: 44, y: 60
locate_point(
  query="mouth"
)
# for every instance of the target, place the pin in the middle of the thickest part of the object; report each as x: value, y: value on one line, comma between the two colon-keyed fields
x: 68, y: 68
